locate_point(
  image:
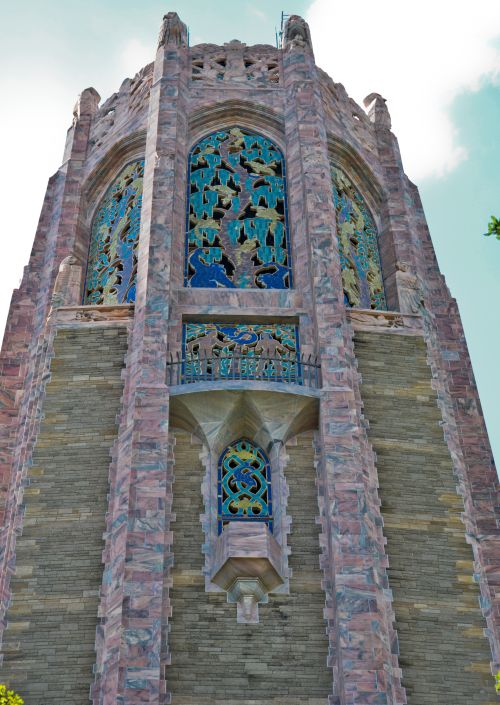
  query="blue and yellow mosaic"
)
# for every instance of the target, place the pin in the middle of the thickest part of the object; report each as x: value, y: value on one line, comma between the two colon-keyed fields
x: 358, y: 245
x: 112, y: 263
x: 248, y: 351
x: 237, y: 232
x: 244, y: 485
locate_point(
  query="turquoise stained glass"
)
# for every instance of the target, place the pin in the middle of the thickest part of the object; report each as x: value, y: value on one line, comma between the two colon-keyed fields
x: 244, y: 484
x: 237, y: 232
x: 112, y: 263
x: 358, y: 245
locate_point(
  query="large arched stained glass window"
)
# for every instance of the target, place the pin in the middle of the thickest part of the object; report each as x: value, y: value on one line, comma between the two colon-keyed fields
x: 244, y: 485
x: 237, y: 233
x: 358, y: 245
x: 112, y: 263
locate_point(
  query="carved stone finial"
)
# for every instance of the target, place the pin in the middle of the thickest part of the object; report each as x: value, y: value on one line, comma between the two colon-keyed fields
x: 173, y: 32
x: 87, y: 103
x: 377, y: 110
x: 67, y: 284
x: 411, y: 298
x: 297, y: 34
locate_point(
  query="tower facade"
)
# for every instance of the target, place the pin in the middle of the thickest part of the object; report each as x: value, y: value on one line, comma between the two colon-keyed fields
x: 243, y: 456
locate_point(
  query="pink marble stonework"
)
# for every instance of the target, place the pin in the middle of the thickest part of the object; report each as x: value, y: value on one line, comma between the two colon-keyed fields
x: 183, y: 95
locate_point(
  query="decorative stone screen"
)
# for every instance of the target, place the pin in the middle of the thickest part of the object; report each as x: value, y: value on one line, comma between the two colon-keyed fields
x: 358, y: 246
x: 112, y: 263
x: 248, y: 351
x: 237, y: 233
x: 244, y: 485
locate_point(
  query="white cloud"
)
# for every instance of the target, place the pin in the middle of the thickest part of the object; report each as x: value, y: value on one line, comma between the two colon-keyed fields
x: 133, y: 56
x: 419, y: 56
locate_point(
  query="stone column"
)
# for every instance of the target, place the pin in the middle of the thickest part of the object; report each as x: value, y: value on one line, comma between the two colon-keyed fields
x: 397, y: 248
x: 464, y: 427
x: 357, y: 604
x: 26, y: 344
x: 130, y: 653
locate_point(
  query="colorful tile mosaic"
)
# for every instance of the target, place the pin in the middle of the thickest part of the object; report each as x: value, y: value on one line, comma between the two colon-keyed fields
x: 244, y: 485
x: 259, y: 351
x: 358, y: 245
x: 237, y: 233
x: 112, y: 263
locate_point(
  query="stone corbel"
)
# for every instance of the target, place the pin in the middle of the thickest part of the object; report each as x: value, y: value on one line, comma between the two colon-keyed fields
x: 247, y: 566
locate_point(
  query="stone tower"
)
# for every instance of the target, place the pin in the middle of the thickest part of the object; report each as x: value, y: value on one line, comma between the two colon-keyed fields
x: 243, y: 457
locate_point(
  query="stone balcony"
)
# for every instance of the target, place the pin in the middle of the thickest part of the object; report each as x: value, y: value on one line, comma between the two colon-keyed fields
x: 289, y: 370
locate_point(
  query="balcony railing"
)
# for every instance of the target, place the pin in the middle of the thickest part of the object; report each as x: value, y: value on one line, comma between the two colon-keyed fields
x: 302, y: 370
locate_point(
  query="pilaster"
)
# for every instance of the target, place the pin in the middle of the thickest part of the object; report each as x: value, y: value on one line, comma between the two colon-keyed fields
x: 358, y: 605
x: 130, y: 652
x: 26, y: 333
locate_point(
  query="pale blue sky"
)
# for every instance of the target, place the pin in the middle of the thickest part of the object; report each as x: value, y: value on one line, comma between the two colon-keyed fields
x: 441, y: 81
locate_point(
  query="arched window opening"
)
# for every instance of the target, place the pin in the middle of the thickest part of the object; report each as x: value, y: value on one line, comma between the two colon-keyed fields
x: 237, y: 231
x: 244, y: 485
x: 112, y: 262
x: 358, y: 246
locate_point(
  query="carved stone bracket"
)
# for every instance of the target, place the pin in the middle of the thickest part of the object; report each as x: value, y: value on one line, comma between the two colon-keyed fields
x: 390, y: 321
x: 120, y: 313
x: 247, y: 566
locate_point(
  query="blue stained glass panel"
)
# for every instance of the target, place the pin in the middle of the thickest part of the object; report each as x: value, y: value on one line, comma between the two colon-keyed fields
x: 237, y: 232
x: 262, y: 350
x: 358, y: 246
x: 112, y: 262
x: 244, y: 484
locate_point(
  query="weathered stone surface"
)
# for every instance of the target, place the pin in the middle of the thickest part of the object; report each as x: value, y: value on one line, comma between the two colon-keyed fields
x: 444, y: 653
x: 49, y: 642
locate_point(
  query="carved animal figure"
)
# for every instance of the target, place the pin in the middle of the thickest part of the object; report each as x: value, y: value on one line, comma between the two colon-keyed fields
x: 297, y: 32
x: 172, y: 31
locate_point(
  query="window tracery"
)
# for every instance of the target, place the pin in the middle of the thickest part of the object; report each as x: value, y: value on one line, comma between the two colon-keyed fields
x: 112, y: 262
x: 358, y: 246
x: 237, y: 233
x: 244, y: 485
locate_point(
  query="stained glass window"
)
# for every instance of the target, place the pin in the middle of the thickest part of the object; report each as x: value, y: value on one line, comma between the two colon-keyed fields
x: 112, y: 263
x: 237, y: 232
x: 242, y: 351
x: 358, y: 244
x: 244, y: 485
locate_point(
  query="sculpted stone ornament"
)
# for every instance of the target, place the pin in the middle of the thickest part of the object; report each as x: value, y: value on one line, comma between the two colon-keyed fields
x: 67, y: 284
x: 375, y: 319
x: 297, y: 35
x: 411, y: 299
x: 173, y: 32
x: 378, y: 112
x: 86, y: 104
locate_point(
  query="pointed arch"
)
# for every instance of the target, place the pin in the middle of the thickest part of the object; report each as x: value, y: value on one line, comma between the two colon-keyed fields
x: 358, y: 245
x: 244, y: 484
x: 112, y: 260
x: 236, y: 226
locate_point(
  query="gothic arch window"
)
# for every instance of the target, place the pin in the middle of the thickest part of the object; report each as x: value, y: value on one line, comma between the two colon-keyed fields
x: 244, y: 485
x: 236, y: 225
x: 112, y: 262
x: 358, y: 246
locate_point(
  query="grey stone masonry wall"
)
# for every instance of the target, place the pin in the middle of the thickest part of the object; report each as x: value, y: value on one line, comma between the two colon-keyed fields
x: 49, y: 642
x: 443, y: 651
x: 215, y: 661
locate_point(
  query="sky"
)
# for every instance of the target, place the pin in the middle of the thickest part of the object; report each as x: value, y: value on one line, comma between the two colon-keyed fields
x: 436, y: 63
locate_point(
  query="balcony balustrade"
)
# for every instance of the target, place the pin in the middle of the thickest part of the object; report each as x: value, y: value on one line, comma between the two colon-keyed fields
x: 192, y: 369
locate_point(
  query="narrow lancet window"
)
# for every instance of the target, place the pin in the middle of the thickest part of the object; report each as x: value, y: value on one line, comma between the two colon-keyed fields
x: 244, y: 485
x: 237, y: 231
x: 358, y: 245
x: 112, y: 263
